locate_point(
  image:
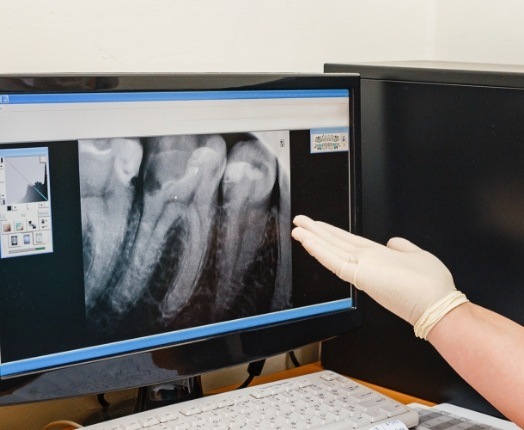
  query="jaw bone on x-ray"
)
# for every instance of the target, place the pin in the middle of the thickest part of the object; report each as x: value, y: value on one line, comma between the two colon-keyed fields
x: 184, y: 230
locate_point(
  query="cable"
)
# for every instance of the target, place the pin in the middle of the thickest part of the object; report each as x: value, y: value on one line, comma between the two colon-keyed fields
x: 102, y: 400
x: 254, y: 369
x: 294, y: 359
x: 66, y: 424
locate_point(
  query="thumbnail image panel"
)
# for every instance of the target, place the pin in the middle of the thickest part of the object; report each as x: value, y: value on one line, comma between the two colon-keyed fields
x: 180, y: 231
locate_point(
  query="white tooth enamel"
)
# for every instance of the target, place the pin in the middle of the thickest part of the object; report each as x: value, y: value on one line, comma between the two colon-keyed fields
x: 236, y: 171
x: 98, y: 147
x: 129, y: 159
x: 192, y: 171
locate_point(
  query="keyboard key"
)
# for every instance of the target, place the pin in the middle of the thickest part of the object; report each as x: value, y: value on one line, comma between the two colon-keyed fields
x: 359, y: 420
x: 132, y: 425
x: 328, y: 376
x: 363, y: 395
x: 224, y: 403
x: 161, y: 427
x: 374, y: 403
x: 327, y: 417
x: 166, y: 416
x: 148, y: 422
x: 209, y: 406
x: 190, y: 410
x: 183, y: 426
x: 312, y: 421
x: 304, y: 382
x: 376, y: 415
x: 393, y: 409
x: 264, y: 392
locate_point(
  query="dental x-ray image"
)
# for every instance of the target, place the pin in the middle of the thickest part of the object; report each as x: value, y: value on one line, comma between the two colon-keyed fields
x: 180, y: 231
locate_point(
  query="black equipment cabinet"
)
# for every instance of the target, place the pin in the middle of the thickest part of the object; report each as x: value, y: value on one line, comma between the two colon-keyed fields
x: 443, y: 166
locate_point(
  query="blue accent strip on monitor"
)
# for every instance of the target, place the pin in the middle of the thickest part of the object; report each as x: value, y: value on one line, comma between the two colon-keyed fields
x: 329, y: 130
x: 23, y: 152
x: 168, y: 96
x: 144, y: 343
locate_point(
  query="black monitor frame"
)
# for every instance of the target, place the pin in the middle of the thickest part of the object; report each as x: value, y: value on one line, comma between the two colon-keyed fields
x: 202, y: 355
x: 442, y: 160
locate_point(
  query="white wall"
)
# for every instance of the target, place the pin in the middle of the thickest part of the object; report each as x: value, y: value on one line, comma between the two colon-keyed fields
x: 207, y: 35
x: 55, y: 36
x: 482, y: 31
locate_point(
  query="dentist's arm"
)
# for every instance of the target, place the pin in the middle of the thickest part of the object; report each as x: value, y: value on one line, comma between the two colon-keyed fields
x: 485, y: 348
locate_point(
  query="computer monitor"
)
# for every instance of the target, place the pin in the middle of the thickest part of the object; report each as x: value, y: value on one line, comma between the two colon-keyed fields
x: 442, y: 165
x: 146, y: 224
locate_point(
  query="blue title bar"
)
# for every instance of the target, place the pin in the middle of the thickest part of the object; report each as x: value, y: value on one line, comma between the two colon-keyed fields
x: 167, y: 96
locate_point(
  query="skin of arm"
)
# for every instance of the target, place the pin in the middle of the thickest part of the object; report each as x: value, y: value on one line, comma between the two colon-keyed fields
x: 487, y: 350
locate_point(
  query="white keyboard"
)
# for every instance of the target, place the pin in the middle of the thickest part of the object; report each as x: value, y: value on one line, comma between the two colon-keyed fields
x: 323, y: 400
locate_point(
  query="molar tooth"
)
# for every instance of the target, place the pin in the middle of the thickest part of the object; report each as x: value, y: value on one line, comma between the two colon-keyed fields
x: 249, y: 179
x: 106, y: 200
x: 171, y: 169
x: 201, y: 218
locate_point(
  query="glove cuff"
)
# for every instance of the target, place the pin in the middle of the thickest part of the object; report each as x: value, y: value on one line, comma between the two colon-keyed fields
x: 436, y: 312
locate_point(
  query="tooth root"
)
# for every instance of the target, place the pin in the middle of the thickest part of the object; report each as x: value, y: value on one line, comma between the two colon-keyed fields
x: 249, y: 180
x: 182, y: 175
x: 102, y: 199
x: 201, y: 216
x: 283, y: 283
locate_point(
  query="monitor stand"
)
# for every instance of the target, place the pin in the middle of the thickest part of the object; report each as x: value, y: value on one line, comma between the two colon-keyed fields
x: 150, y: 397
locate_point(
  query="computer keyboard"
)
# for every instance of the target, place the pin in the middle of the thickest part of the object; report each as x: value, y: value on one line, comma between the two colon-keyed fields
x: 323, y: 400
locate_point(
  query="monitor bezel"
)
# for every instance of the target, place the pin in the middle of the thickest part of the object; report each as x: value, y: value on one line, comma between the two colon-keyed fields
x: 233, y: 348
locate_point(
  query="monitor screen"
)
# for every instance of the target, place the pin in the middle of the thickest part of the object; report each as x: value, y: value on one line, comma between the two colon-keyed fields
x: 146, y: 224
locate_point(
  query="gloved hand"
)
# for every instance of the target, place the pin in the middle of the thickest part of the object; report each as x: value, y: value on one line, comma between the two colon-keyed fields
x: 410, y: 282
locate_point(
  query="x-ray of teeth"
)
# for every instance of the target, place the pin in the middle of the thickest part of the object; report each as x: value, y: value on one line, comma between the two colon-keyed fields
x: 247, y: 186
x: 181, y: 179
x: 184, y: 230
x: 107, y: 169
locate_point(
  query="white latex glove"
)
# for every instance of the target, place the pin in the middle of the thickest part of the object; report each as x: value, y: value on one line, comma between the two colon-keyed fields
x: 408, y: 281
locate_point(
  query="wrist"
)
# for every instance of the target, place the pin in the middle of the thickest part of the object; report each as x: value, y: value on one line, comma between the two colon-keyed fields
x: 437, y: 311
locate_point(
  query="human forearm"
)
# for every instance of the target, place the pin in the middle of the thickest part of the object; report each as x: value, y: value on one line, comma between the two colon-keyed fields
x: 487, y: 350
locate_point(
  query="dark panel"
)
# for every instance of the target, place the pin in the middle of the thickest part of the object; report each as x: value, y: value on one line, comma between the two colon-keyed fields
x: 441, y: 166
